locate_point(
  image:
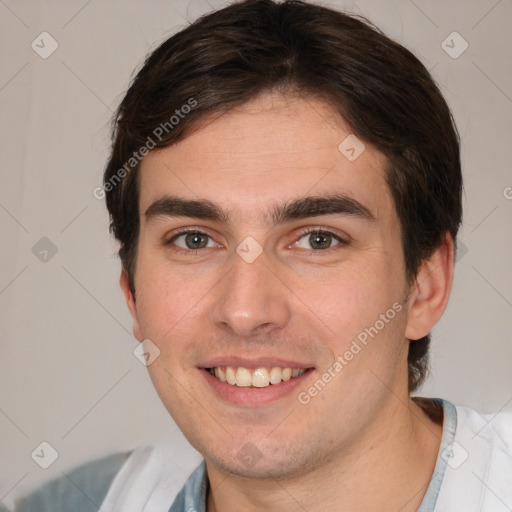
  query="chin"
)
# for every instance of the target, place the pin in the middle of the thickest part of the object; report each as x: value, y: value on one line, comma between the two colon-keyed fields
x: 261, y: 464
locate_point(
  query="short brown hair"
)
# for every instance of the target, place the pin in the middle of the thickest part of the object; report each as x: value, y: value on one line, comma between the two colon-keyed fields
x: 383, y: 92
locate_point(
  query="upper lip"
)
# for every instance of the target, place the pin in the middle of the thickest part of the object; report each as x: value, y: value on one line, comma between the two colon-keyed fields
x: 256, y: 362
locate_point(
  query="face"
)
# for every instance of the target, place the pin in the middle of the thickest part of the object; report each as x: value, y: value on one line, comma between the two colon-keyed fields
x: 263, y: 248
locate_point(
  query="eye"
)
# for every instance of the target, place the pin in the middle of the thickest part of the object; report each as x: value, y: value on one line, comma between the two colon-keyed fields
x: 193, y: 240
x: 318, y: 240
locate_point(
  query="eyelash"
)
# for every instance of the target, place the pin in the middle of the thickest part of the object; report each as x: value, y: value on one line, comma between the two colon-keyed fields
x: 185, y: 231
x: 321, y: 231
x: 304, y: 232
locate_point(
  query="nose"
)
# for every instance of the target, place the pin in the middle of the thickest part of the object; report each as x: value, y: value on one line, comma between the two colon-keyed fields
x: 250, y: 299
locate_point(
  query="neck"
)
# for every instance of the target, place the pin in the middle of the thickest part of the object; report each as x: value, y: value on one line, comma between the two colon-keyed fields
x: 389, y: 469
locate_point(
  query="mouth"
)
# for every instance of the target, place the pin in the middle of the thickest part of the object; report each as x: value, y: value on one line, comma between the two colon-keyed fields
x: 257, y: 381
x: 260, y: 377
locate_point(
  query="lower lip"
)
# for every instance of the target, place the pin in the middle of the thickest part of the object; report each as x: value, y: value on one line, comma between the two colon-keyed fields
x: 252, y: 396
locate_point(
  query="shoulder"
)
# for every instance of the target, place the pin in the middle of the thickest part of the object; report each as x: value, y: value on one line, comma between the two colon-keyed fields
x: 81, y: 489
x: 493, y: 429
x: 478, y: 462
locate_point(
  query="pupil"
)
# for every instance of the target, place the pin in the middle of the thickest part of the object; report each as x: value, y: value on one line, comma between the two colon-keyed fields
x: 196, y: 241
x: 319, y: 241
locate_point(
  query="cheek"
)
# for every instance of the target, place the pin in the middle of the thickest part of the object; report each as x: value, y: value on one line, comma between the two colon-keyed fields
x: 360, y: 311
x: 350, y: 298
x: 166, y: 299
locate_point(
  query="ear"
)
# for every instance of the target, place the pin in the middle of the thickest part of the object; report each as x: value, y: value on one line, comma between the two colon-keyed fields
x: 124, y: 282
x: 431, y: 291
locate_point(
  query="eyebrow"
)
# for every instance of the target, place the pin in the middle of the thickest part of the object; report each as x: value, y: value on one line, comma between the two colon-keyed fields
x: 302, y: 208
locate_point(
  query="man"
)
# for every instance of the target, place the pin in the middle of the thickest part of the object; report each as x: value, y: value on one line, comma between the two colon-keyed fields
x: 285, y: 186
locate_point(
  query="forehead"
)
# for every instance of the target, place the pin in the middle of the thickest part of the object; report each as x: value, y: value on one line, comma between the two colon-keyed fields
x: 274, y: 149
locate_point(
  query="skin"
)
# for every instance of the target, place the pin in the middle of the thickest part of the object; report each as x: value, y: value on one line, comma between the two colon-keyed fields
x: 361, y: 443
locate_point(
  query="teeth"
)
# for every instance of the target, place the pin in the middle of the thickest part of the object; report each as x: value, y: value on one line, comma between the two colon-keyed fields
x: 220, y: 374
x: 259, y: 378
x: 275, y: 375
x: 230, y: 375
x: 243, y: 377
x: 286, y: 374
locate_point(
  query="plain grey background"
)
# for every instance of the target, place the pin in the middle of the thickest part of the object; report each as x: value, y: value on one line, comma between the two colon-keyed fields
x: 67, y: 369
